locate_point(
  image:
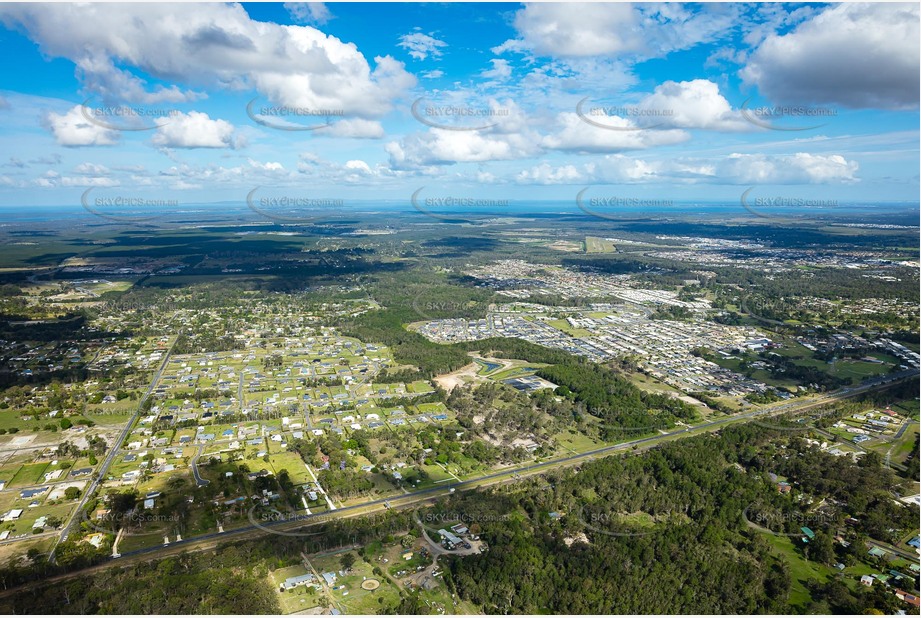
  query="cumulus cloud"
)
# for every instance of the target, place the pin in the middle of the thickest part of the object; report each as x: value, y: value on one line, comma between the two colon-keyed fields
x: 855, y: 55
x: 576, y: 135
x: 800, y: 168
x: 309, y: 12
x: 92, y: 169
x: 210, y: 45
x: 546, y: 174
x: 606, y: 29
x: 439, y: 147
x: 354, y: 127
x: 582, y: 29
x: 421, y: 45
x: 736, y: 169
x: 695, y: 104
x: 73, y: 129
x: 196, y: 130
x: 501, y: 69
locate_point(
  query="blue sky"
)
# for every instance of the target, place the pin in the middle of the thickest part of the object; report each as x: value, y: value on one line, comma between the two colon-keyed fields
x: 194, y: 102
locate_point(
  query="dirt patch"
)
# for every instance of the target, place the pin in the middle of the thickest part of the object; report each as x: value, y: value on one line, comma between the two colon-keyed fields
x: 370, y: 584
x: 448, y: 381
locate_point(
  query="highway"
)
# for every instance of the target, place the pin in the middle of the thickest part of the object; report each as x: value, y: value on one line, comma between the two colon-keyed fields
x: 415, y: 498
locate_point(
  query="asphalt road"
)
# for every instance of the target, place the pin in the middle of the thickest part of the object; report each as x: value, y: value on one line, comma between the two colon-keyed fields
x: 110, y: 457
x: 420, y: 496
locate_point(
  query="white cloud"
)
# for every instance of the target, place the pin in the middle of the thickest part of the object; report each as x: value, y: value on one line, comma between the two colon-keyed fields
x: 91, y: 169
x: 358, y: 165
x: 736, y: 169
x: 546, y: 174
x: 435, y: 74
x: 438, y: 147
x: 195, y: 130
x: 74, y: 129
x: 576, y: 135
x: 573, y: 30
x: 800, y: 168
x: 695, y: 104
x: 315, y: 13
x: 578, y: 29
x: 210, y: 45
x: 855, y: 55
x: 421, y: 45
x: 500, y: 70
x: 353, y: 127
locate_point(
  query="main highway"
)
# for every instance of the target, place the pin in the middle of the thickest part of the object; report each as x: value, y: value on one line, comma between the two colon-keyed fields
x: 419, y: 497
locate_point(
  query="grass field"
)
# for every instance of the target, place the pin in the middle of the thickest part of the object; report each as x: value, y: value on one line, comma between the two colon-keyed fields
x: 594, y: 244
x: 29, y: 474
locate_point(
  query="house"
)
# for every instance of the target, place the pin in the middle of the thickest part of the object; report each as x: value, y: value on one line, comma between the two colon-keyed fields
x: 298, y: 580
x: 96, y: 539
x: 809, y: 533
x: 866, y: 580
x: 907, y: 597
x: 13, y: 515
x: 31, y: 493
x: 330, y: 578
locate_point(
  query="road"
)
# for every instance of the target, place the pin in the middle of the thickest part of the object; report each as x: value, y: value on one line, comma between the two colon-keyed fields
x: 110, y: 457
x: 421, y: 496
x: 195, y: 472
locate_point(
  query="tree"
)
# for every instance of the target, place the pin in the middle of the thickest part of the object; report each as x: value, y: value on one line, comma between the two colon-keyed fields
x: 72, y: 493
x: 347, y: 560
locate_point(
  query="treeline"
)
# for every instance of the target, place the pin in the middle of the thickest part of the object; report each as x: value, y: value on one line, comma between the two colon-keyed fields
x: 624, y: 409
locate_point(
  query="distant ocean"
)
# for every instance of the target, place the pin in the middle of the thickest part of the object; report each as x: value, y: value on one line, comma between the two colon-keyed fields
x: 870, y: 212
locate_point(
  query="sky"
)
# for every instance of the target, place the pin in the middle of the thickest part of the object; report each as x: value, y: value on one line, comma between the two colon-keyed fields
x: 200, y: 103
